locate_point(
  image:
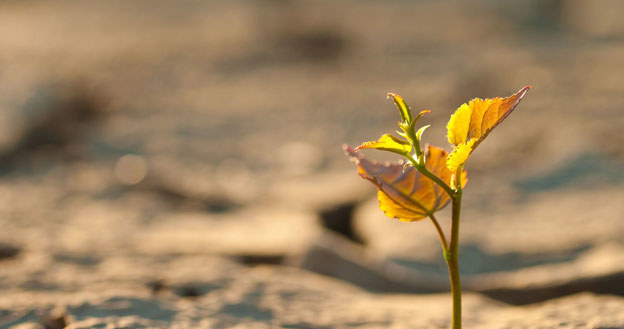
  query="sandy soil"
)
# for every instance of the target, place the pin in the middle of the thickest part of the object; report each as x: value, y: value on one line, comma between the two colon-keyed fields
x: 178, y: 163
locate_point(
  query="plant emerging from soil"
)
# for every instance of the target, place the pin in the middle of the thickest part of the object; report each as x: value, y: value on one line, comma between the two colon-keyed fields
x: 431, y: 178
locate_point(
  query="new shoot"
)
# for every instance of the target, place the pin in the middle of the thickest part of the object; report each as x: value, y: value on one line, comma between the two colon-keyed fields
x: 432, y: 177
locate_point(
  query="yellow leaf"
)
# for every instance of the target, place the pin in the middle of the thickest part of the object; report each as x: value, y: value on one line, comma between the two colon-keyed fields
x: 388, y: 142
x: 459, y: 155
x: 473, y: 121
x: 404, y: 193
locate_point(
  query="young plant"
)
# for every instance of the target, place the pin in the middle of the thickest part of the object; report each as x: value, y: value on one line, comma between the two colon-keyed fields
x: 432, y: 178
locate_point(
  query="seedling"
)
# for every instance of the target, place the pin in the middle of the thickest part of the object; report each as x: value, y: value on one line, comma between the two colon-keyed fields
x: 432, y: 178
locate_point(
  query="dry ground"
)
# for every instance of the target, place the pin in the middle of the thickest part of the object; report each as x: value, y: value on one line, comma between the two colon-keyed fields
x: 179, y: 164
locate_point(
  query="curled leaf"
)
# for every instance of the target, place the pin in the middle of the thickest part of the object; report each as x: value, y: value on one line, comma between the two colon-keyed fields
x: 390, y: 143
x: 473, y: 121
x: 404, y: 110
x: 404, y: 193
x: 420, y: 114
x: 421, y: 131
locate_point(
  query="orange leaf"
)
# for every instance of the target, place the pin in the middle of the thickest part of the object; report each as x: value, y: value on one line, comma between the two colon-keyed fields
x: 473, y: 121
x: 404, y: 193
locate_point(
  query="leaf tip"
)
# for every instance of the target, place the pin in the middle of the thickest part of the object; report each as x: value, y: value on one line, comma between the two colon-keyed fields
x: 350, y: 151
x: 523, y: 91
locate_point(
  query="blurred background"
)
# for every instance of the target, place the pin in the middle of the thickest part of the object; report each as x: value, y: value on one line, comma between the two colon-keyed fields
x: 136, y: 134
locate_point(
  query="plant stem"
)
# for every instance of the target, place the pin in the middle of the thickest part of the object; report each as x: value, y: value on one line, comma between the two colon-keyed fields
x: 453, y: 254
x: 452, y: 261
x: 423, y: 170
x: 440, y: 234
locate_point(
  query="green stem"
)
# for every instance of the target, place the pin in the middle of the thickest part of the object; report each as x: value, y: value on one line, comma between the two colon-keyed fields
x: 452, y: 261
x: 453, y: 254
x: 423, y: 170
x: 440, y: 234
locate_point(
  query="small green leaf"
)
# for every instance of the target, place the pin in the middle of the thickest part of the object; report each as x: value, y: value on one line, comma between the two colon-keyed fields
x: 402, y: 134
x: 404, y: 109
x: 390, y: 143
x: 421, y: 131
x: 423, y: 112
